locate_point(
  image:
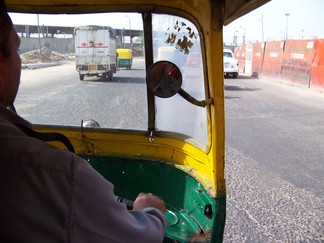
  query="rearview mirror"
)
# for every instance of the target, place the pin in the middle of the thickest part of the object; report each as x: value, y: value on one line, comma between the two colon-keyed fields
x: 164, y: 79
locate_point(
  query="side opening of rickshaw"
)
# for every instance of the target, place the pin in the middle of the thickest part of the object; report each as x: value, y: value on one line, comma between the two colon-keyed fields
x: 159, y: 125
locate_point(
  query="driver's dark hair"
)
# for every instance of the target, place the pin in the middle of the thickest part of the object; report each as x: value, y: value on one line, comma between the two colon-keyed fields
x: 5, y: 28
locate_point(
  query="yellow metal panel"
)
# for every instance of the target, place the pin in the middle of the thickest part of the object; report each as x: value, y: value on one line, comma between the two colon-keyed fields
x: 101, y: 142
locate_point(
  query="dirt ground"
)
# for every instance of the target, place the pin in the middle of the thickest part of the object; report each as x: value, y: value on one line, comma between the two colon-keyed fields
x: 45, y: 56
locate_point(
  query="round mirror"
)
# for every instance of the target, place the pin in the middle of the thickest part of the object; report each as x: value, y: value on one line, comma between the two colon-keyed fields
x: 164, y: 79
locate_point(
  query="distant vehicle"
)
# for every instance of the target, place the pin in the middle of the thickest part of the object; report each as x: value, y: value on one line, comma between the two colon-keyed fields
x: 95, y: 49
x: 171, y: 54
x: 124, y: 58
x: 231, y: 66
x: 193, y: 59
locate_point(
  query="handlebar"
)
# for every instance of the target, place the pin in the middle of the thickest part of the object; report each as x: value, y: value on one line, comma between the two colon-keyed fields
x: 129, y: 204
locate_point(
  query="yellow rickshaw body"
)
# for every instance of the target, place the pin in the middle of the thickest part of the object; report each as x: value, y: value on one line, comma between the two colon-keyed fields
x: 124, y: 58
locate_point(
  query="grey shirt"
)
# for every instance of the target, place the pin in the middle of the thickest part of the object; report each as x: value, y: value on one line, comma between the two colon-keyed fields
x: 52, y: 195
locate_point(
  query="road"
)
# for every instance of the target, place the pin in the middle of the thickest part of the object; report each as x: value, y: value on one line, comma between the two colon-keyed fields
x: 47, y: 104
x: 274, y: 162
x: 274, y: 143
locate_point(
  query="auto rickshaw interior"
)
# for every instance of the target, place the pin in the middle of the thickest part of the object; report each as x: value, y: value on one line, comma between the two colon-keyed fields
x: 148, y: 139
x: 150, y: 128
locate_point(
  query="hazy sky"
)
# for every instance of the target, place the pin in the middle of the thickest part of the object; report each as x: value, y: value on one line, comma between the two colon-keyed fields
x: 115, y: 20
x: 306, y: 20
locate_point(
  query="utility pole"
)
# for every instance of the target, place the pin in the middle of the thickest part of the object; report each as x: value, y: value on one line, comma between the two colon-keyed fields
x: 235, y: 38
x: 39, y: 42
x: 243, y: 35
x: 287, y: 15
x: 262, y: 29
x: 130, y: 32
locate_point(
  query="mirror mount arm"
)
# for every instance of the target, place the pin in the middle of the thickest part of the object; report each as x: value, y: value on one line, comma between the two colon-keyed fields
x: 192, y: 100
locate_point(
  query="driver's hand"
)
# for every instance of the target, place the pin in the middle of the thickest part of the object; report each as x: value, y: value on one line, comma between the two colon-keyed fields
x: 148, y: 200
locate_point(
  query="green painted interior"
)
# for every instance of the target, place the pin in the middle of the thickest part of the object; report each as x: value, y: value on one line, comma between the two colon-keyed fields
x: 190, y: 210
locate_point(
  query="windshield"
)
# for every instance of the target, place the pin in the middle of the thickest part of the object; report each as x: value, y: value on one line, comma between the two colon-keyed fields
x: 77, y: 68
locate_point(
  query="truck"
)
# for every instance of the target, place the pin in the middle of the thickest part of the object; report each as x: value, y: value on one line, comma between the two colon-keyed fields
x: 95, y: 50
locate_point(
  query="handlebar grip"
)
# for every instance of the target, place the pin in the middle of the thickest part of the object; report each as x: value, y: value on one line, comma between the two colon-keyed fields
x: 129, y: 204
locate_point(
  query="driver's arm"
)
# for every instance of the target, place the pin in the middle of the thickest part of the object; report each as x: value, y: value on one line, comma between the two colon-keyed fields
x: 98, y: 217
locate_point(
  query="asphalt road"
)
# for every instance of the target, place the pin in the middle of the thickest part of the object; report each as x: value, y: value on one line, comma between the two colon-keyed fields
x: 274, y: 143
x: 68, y: 101
x: 274, y: 162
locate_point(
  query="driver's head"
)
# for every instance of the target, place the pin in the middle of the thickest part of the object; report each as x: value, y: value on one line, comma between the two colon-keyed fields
x: 5, y: 27
x: 10, y: 62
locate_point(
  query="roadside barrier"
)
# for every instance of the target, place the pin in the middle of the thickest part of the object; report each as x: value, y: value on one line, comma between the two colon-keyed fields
x: 273, y: 58
x: 297, y: 61
x: 257, y: 58
x: 240, y: 56
x: 300, y: 62
x: 317, y: 70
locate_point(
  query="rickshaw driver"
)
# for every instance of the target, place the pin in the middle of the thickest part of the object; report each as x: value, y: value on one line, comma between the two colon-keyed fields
x: 53, y: 195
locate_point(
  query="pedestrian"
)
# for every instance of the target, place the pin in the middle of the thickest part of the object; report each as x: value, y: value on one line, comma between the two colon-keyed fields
x: 52, y: 195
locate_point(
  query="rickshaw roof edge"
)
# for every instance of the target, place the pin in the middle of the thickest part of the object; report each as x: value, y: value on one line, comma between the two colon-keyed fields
x: 232, y: 9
